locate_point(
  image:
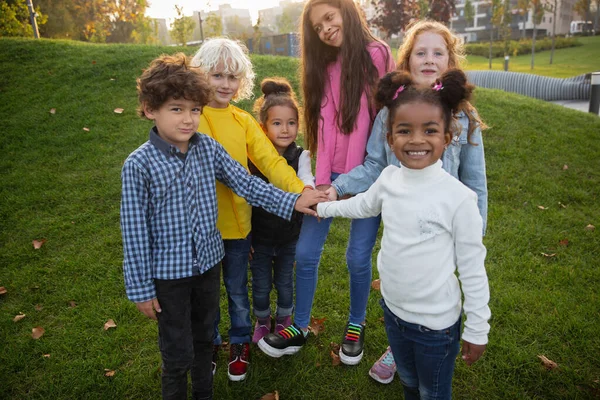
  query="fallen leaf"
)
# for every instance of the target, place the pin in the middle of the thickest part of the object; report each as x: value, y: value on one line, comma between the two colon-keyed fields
x: 86, y: 129
x: 18, y: 317
x: 333, y: 346
x: 562, y: 205
x: 72, y: 303
x: 38, y: 307
x: 37, y: 244
x: 3, y: 290
x: 335, y: 359
x: 565, y: 167
x: 112, y: 79
x: 109, y: 372
x: 316, y: 325
x: 549, y: 255
x: 318, y: 364
x: 271, y: 396
x: 93, y: 61
x: 53, y: 111
x: 119, y: 110
x: 542, y: 208
x: 46, y: 355
x: 564, y: 242
x: 37, y: 332
x: 109, y: 324
x: 547, y: 363
x: 376, y: 284
x: 590, y: 228
x: 382, y: 319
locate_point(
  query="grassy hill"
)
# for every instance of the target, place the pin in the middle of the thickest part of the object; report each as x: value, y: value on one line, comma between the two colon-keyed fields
x: 60, y: 181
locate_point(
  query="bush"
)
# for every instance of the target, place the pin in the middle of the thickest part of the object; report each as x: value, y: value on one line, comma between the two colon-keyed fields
x: 519, y: 47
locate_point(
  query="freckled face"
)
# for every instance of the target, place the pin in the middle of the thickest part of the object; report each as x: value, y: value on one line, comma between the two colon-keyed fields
x: 328, y: 24
x: 418, y: 137
x: 428, y: 59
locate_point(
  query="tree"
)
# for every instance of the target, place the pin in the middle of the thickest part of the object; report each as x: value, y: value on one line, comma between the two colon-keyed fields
x: 523, y: 6
x: 583, y: 8
x: 497, y: 12
x: 469, y: 12
x: 14, y: 18
x: 289, y: 19
x: 537, y: 9
x: 182, y: 27
x: 256, y: 35
x: 392, y: 16
x: 553, y: 7
x: 441, y: 10
x: 214, y: 25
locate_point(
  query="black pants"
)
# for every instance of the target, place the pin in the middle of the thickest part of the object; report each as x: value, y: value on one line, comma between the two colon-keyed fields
x: 185, y: 333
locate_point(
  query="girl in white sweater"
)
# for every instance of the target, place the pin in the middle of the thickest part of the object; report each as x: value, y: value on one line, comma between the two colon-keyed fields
x: 432, y: 227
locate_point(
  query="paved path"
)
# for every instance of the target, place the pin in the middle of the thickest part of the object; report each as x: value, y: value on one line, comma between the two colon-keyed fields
x: 574, y: 104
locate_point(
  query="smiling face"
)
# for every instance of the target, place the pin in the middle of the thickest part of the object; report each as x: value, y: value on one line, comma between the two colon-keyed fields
x: 281, y: 127
x: 418, y: 136
x: 327, y: 23
x: 176, y: 121
x: 428, y: 59
x: 225, y: 86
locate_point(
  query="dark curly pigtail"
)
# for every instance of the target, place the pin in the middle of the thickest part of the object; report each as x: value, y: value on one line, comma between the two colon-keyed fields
x: 276, y: 92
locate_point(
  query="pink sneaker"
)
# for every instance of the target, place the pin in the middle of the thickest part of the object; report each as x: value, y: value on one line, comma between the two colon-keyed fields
x: 384, y: 369
x: 282, y: 323
x: 261, y: 329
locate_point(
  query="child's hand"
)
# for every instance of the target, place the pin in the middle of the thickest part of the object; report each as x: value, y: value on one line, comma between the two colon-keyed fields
x: 251, y: 252
x: 307, y: 199
x: 149, y: 307
x: 472, y: 352
x: 323, y: 187
x: 331, y: 194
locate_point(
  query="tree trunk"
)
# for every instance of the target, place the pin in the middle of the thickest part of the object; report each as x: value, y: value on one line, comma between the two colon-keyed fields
x: 553, y: 31
x: 491, y: 40
x: 524, y: 23
x: 533, y: 43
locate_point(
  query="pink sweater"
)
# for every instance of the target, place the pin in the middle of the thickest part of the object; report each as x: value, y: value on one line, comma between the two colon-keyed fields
x: 336, y: 152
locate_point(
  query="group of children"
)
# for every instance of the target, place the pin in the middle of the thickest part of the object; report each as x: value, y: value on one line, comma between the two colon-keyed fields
x: 214, y: 190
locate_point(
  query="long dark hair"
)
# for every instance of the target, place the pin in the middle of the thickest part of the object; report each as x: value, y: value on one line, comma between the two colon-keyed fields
x: 359, y: 74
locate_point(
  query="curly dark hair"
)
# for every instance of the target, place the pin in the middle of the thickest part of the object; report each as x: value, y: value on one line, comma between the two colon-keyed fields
x: 453, y: 91
x: 171, y: 77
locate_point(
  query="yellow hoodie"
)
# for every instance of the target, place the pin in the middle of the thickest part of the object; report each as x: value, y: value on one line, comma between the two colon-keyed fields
x: 239, y: 133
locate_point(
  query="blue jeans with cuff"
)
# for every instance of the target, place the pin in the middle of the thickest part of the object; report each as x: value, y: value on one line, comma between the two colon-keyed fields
x: 424, y: 358
x: 235, y: 278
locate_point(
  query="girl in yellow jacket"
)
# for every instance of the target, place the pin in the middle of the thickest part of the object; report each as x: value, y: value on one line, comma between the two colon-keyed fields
x: 230, y: 74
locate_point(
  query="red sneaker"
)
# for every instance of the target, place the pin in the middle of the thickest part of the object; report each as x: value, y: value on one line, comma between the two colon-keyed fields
x: 239, y: 358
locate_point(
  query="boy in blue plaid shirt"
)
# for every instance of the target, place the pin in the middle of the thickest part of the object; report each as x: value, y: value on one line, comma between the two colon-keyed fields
x: 168, y: 221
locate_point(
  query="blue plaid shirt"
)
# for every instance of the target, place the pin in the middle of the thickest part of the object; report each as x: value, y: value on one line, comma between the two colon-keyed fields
x: 169, y: 209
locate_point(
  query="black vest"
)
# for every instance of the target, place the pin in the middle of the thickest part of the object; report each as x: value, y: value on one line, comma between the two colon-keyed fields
x: 267, y: 228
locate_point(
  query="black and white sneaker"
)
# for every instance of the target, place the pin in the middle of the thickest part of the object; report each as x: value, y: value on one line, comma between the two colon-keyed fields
x: 285, y: 342
x: 351, y: 351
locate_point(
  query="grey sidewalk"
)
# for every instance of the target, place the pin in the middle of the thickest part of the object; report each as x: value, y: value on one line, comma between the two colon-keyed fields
x: 580, y: 105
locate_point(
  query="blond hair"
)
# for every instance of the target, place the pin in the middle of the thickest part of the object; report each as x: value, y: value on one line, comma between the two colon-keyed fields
x: 234, y: 57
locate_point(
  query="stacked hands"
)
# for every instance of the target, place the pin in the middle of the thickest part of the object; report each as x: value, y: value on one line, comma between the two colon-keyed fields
x: 308, y: 200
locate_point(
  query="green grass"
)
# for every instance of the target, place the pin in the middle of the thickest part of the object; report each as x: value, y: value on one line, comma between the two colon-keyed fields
x: 566, y: 63
x: 62, y: 183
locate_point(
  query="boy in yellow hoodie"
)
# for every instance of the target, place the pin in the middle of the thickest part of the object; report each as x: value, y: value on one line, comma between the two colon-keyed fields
x: 230, y: 74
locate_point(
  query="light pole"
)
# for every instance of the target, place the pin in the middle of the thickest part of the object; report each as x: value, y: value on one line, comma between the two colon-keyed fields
x: 32, y: 16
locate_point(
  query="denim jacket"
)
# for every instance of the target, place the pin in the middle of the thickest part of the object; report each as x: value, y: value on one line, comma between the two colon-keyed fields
x: 462, y: 160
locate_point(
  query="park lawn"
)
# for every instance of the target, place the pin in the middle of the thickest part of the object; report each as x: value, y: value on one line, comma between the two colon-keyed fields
x: 567, y: 62
x: 61, y: 183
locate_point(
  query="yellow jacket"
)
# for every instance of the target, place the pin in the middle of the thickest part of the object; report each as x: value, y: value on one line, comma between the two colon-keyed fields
x: 242, y: 137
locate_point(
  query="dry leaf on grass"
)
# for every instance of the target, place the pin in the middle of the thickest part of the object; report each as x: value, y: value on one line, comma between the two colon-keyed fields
x: 119, y: 110
x: 271, y: 396
x: 542, y: 208
x: 109, y: 372
x: 37, y: 244
x: 590, y: 228
x: 72, y: 303
x: 53, y: 111
x: 316, y: 325
x: 335, y: 359
x: 547, y: 363
x: 564, y: 242
x: 38, y: 307
x: 46, y: 355
x: 382, y: 319
x: 376, y: 284
x: 37, y: 332
x: 3, y: 290
x: 18, y: 317
x: 549, y: 255
x: 565, y: 167
x: 109, y: 324
x: 86, y: 129
x: 561, y: 205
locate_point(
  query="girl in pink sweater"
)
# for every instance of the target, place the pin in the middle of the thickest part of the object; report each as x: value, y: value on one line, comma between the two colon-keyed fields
x: 341, y: 64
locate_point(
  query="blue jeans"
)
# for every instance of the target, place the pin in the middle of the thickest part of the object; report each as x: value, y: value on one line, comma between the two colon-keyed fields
x: 363, y: 233
x: 424, y: 358
x: 235, y: 278
x: 185, y: 335
x: 273, y: 264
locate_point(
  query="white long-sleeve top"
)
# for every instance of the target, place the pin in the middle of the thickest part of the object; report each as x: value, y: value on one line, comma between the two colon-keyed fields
x: 432, y: 227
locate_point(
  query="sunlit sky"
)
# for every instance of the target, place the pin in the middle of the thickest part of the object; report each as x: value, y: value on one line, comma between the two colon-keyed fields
x: 166, y: 8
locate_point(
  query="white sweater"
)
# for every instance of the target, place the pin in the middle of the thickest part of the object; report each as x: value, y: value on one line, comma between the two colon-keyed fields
x: 432, y: 227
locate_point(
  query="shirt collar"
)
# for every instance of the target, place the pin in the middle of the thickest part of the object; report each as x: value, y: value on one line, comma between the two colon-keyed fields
x: 167, y: 148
